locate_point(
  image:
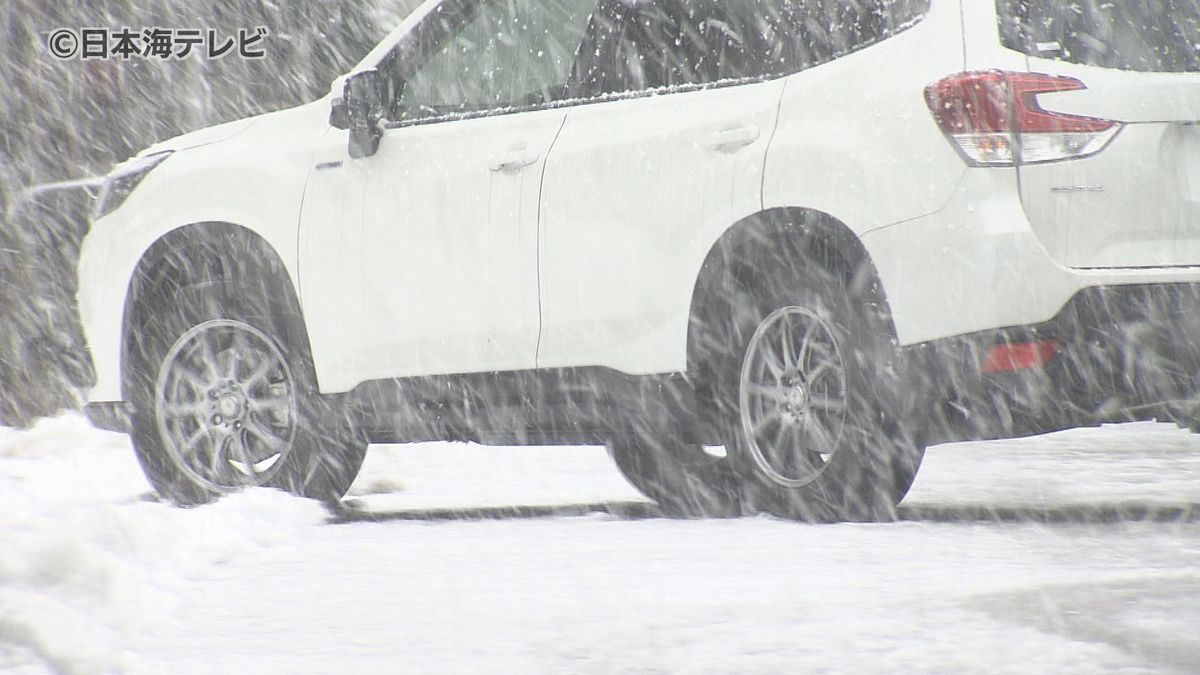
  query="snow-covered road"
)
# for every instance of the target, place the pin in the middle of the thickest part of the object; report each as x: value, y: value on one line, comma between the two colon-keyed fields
x: 1076, y: 552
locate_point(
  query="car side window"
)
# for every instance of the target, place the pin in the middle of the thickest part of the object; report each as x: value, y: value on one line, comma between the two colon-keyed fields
x: 638, y: 45
x: 642, y: 45
x: 823, y: 30
x: 492, y: 54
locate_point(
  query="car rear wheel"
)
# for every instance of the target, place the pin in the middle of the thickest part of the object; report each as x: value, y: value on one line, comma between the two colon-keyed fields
x: 810, y: 400
x: 222, y: 402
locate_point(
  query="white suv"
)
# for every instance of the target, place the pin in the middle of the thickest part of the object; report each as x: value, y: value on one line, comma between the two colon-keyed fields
x: 765, y: 250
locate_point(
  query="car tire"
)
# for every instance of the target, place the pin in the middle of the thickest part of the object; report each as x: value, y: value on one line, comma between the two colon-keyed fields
x: 222, y: 400
x: 681, y: 478
x: 810, y: 396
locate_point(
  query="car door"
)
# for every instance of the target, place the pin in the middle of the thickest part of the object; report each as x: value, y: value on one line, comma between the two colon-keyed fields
x: 440, y: 222
x: 662, y: 156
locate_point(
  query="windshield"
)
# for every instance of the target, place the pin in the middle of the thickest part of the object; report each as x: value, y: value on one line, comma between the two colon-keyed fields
x: 1142, y: 35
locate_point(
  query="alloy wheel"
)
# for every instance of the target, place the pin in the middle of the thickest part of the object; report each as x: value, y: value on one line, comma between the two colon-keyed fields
x: 793, y: 396
x: 226, y: 405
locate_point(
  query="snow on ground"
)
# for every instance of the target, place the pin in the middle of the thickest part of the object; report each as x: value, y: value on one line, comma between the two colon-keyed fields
x: 96, y: 577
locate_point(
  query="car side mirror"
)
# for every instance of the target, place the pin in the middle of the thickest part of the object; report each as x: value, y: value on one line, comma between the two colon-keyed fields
x: 361, y: 111
x: 339, y: 116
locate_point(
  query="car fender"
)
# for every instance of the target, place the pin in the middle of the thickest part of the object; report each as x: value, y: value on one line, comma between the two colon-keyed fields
x: 259, y: 174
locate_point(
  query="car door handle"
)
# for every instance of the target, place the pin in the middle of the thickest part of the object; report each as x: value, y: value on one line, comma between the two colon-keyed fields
x: 514, y: 159
x: 733, y: 138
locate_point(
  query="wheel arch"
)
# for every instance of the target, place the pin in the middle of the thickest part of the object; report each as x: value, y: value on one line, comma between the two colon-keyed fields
x: 211, y: 251
x: 765, y: 240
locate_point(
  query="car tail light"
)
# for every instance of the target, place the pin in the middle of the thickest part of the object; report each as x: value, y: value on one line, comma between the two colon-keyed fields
x: 1009, y: 357
x: 994, y: 119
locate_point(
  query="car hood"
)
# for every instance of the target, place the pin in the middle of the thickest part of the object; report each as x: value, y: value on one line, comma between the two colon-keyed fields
x: 206, y: 136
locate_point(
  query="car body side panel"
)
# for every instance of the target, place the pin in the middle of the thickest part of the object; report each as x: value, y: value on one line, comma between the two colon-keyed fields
x: 866, y: 150
x: 636, y: 193
x: 331, y: 259
x: 260, y: 191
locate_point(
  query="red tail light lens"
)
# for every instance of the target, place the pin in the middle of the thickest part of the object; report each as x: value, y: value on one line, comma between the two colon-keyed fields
x: 994, y: 119
x: 1013, y: 356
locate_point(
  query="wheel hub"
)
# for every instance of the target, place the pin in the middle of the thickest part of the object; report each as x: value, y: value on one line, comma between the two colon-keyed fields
x: 796, y: 400
x: 229, y: 404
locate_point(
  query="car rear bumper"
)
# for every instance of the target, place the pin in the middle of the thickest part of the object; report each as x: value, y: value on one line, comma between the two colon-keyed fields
x: 1123, y: 353
x: 977, y: 265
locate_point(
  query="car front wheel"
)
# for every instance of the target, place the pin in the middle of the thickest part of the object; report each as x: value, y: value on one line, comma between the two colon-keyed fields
x: 222, y: 403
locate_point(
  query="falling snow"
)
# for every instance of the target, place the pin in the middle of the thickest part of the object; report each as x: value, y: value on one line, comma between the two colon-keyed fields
x: 1077, y: 551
